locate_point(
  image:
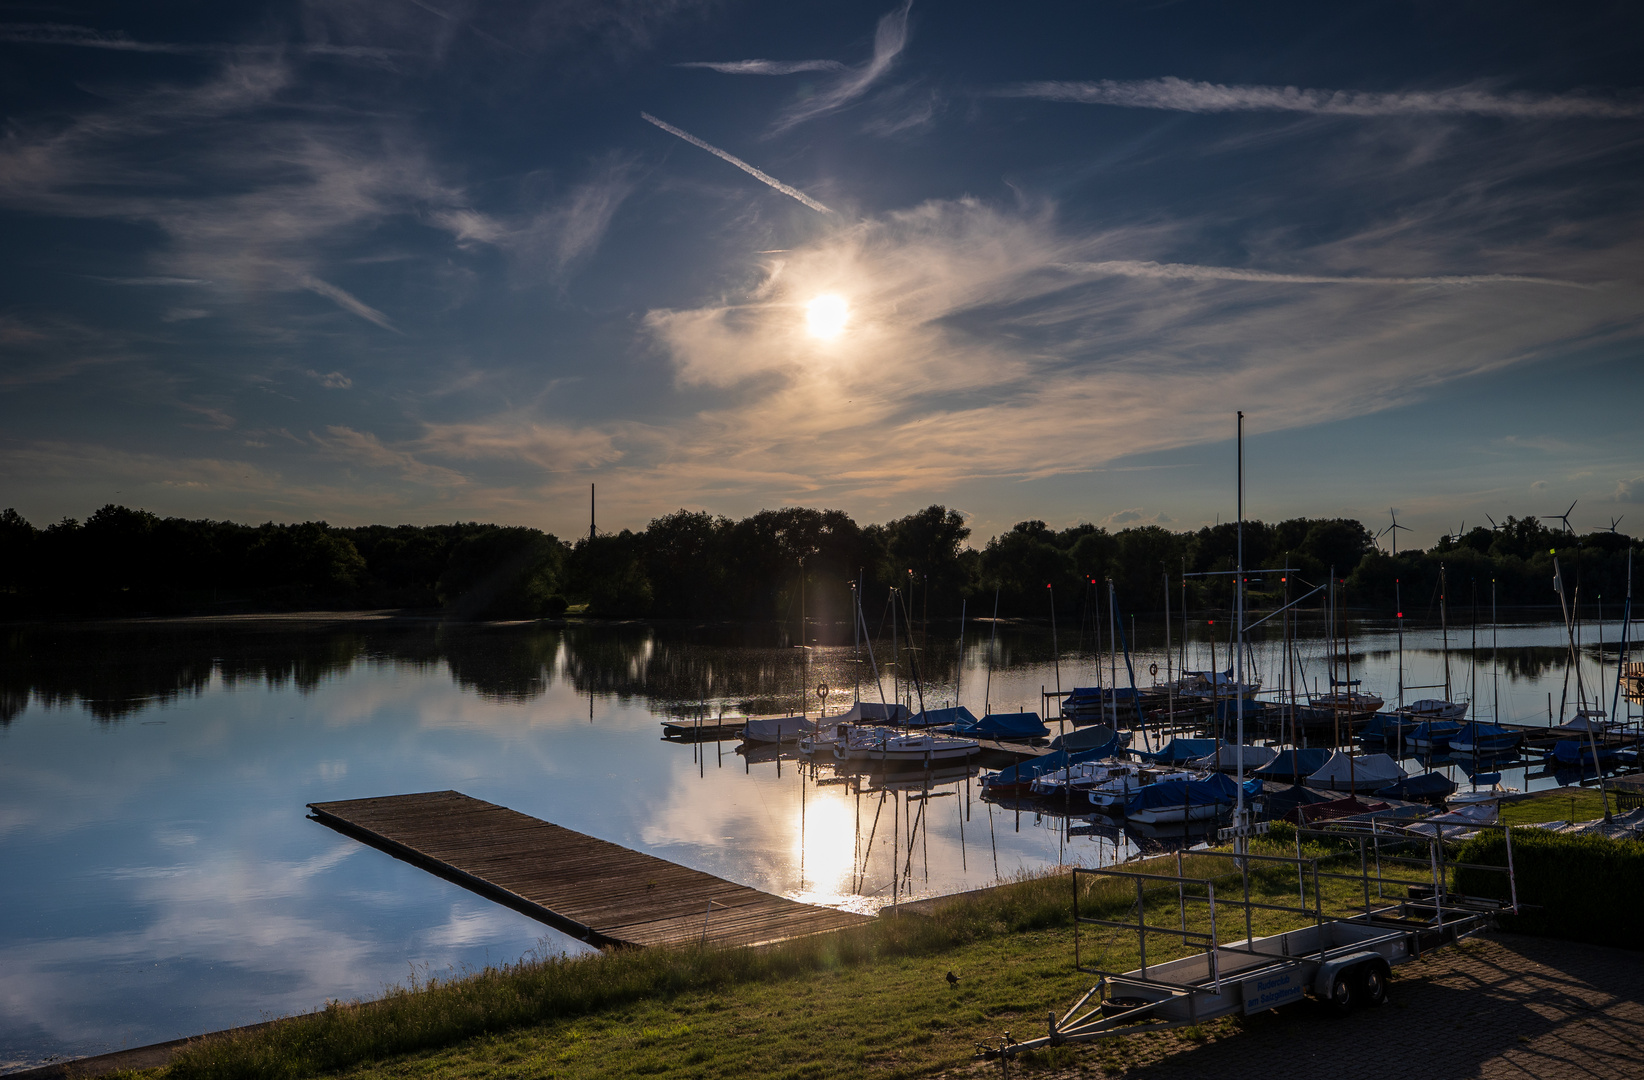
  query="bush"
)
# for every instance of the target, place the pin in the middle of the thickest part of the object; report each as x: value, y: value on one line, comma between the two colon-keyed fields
x: 1583, y: 888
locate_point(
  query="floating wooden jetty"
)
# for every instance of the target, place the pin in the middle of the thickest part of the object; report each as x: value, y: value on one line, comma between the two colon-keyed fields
x: 709, y: 730
x: 591, y: 889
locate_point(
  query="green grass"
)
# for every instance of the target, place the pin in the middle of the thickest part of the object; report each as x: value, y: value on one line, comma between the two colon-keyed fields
x: 1556, y: 806
x: 870, y: 999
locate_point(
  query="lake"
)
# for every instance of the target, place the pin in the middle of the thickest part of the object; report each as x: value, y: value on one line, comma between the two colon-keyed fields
x: 161, y: 878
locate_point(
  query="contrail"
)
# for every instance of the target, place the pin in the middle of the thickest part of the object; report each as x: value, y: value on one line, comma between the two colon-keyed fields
x: 764, y: 178
x: 1187, y: 95
x: 1193, y: 272
x: 347, y: 301
x: 764, y: 67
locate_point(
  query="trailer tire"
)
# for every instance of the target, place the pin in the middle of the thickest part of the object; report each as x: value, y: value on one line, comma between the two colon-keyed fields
x: 1373, y: 984
x: 1343, y: 995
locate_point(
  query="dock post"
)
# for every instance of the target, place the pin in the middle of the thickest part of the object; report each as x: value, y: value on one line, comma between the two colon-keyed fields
x: 1375, y: 837
x: 1512, y: 878
x: 1318, y: 909
x: 1141, y: 924
x: 1215, y: 944
x: 1181, y: 894
x: 1364, y: 873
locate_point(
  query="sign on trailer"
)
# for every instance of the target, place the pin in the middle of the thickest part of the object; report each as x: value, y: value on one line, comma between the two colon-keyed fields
x: 1269, y: 991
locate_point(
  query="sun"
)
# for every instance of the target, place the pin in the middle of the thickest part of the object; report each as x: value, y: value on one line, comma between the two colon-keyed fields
x: 826, y: 315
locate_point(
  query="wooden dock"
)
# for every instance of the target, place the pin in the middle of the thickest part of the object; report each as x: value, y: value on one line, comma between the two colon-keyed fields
x: 593, y: 890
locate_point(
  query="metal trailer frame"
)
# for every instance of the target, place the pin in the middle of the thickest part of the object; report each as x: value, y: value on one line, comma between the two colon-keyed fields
x: 1343, y: 961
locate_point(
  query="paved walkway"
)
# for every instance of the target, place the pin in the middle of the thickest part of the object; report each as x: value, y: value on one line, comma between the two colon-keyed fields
x: 1502, y: 1007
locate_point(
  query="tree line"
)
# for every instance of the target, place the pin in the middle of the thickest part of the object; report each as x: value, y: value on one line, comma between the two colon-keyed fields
x: 766, y: 567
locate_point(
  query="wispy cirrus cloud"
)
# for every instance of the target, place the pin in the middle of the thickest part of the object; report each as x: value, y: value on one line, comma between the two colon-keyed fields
x: 554, y: 237
x: 1187, y: 95
x: 149, y: 281
x: 764, y: 67
x: 969, y: 339
x: 889, y: 39
x: 347, y: 301
x: 1141, y: 268
x: 763, y: 177
x: 85, y: 37
x: 549, y: 445
x: 363, y: 448
x: 256, y: 198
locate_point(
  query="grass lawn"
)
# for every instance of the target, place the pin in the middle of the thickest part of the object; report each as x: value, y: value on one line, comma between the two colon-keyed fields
x: 1564, y: 804
x: 873, y: 1000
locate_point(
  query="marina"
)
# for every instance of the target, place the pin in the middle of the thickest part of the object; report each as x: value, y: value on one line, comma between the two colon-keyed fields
x: 140, y: 771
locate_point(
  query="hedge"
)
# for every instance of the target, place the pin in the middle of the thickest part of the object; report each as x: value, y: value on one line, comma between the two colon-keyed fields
x: 1583, y: 888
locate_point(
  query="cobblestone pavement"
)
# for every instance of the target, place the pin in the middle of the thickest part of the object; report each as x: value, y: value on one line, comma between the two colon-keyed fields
x: 1501, y: 1007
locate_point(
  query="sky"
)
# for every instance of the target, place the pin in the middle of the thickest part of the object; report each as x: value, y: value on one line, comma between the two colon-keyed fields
x: 428, y: 260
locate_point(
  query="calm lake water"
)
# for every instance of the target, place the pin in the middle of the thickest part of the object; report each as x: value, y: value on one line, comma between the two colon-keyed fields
x: 160, y: 877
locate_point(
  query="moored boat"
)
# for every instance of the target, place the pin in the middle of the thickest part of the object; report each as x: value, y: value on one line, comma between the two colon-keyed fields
x: 1480, y: 738
x: 779, y: 729
x: 1183, y: 800
x: 1431, y: 735
x: 899, y: 748
x: 1364, y: 772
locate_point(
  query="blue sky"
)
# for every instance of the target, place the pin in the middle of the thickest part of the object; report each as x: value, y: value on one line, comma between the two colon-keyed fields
x: 418, y: 261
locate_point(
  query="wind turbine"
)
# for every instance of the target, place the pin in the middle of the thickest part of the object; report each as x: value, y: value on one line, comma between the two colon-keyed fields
x: 1615, y: 521
x: 1564, y: 517
x: 1394, y: 529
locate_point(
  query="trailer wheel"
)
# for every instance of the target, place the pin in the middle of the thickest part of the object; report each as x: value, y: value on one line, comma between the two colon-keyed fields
x: 1342, y: 997
x: 1373, y: 988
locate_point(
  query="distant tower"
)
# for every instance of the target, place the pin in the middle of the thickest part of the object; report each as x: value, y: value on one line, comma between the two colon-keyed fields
x: 590, y: 511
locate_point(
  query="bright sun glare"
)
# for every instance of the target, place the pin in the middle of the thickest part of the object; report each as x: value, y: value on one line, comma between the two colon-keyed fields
x: 825, y: 316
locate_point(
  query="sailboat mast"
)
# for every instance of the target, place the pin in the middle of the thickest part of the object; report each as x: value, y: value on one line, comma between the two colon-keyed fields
x: 1113, y: 655
x: 1170, y: 678
x: 959, y: 668
x: 993, y: 640
x: 856, y: 632
x: 1444, y: 624
x: 1398, y: 604
x: 1347, y: 667
x: 804, y: 653
x: 1183, y: 664
x: 896, y: 655
x: 1238, y: 679
x: 1055, y: 650
x: 1626, y: 627
x: 1495, y: 672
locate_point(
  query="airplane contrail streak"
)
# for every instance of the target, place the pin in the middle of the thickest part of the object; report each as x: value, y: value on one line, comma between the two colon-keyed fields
x: 762, y: 177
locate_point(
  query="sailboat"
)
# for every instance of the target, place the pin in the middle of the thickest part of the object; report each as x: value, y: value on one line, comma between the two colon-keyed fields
x: 1345, y: 772
x: 1183, y: 800
x: 1481, y: 738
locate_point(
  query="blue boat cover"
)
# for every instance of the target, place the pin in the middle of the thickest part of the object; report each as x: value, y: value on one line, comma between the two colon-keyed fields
x: 1214, y: 790
x: 1426, y: 786
x: 1087, y: 738
x: 1491, y: 736
x: 1019, y: 725
x: 959, y: 717
x: 1294, y: 765
x: 1578, y: 752
x: 1434, y: 729
x: 1180, y: 751
x: 1023, y: 771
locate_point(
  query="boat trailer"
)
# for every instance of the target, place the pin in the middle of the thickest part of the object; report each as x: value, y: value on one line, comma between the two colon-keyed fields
x: 1343, y: 962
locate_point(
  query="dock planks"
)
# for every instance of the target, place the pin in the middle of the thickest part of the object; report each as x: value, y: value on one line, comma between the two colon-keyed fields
x: 594, y: 890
